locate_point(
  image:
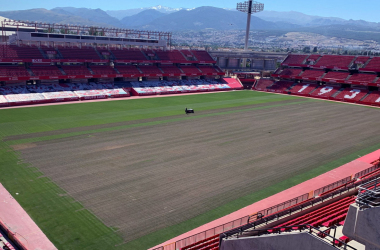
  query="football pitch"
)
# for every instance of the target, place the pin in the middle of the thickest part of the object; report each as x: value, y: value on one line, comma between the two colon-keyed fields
x: 131, y: 174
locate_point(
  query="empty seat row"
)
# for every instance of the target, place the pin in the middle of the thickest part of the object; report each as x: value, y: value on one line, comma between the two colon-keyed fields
x: 320, y: 216
x: 263, y: 84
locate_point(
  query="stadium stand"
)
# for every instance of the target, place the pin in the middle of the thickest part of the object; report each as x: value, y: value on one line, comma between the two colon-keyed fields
x: 289, y: 73
x: 188, y: 55
x: 174, y: 55
x: 35, y: 94
x: 78, y: 53
x: 361, y: 78
x: 335, y: 62
x: 362, y: 60
x: 373, y: 65
x: 183, y: 86
x: 372, y: 99
x: 13, y: 71
x: 76, y: 70
x: 280, y: 86
x: 324, y: 92
x: 202, y: 55
x: 102, y: 70
x: 294, y: 60
x: 128, y: 54
x: 207, y: 69
x: 189, y: 69
x: 351, y: 95
x: 263, y: 84
x: 312, y: 74
x: 325, y: 216
x: 170, y: 69
x: 312, y: 59
x: 104, y: 52
x: 21, y: 52
x: 150, y: 69
x: 45, y: 70
x: 127, y: 69
x: 303, y: 89
x: 150, y: 54
x: 333, y: 76
x: 50, y: 52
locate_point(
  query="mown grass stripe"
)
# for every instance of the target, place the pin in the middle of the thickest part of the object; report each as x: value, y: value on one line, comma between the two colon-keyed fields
x: 60, y: 136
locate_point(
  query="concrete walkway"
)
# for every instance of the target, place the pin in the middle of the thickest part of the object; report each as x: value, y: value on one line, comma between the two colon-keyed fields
x: 19, y: 223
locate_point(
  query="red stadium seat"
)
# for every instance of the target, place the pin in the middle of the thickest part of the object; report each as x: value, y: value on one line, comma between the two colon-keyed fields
x: 324, y: 92
x: 335, y: 61
x: 128, y: 54
x: 372, y: 99
x: 294, y: 60
x: 79, y: 53
x: 303, y: 88
x: 335, y: 76
x: 263, y: 84
x: 351, y: 95
x: 46, y: 70
x: 173, y: 55
x: 312, y: 74
x: 190, y: 69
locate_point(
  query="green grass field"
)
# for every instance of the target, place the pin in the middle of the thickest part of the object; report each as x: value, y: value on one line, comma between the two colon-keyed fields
x: 65, y: 221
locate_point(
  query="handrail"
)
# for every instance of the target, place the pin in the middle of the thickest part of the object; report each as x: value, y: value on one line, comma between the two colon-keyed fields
x: 301, y: 227
x: 275, y: 216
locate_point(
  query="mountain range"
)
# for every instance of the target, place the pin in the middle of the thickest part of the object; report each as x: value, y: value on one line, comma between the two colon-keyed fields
x: 201, y: 18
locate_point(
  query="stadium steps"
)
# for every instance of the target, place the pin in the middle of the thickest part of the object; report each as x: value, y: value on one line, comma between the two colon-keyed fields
x: 137, y: 67
x: 97, y: 52
x: 365, y: 65
x: 313, y: 90
x: 146, y: 57
x: 290, y: 87
x: 352, y: 62
x: 117, y: 71
x: 59, y: 53
x: 30, y: 71
x: 318, y: 59
x: 43, y: 53
x: 112, y: 56
x: 305, y: 61
x: 63, y: 72
x: 364, y: 97
x: 348, y: 77
x: 183, y: 55
x: 337, y: 93
x: 89, y: 69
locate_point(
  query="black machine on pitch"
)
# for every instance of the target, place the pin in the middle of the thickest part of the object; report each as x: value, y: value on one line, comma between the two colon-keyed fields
x: 187, y: 111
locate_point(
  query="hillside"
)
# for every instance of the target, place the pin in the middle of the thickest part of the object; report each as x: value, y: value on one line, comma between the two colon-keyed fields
x: 142, y: 18
x: 94, y: 15
x: 48, y: 16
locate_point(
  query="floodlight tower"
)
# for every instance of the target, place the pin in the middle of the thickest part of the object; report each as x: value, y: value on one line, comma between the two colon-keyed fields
x: 249, y: 7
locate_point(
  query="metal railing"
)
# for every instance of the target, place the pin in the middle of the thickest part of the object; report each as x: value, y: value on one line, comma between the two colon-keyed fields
x: 311, y: 230
x: 369, y: 194
x: 275, y: 212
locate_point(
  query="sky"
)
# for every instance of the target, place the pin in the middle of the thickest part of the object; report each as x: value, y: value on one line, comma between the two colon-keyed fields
x: 348, y: 9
